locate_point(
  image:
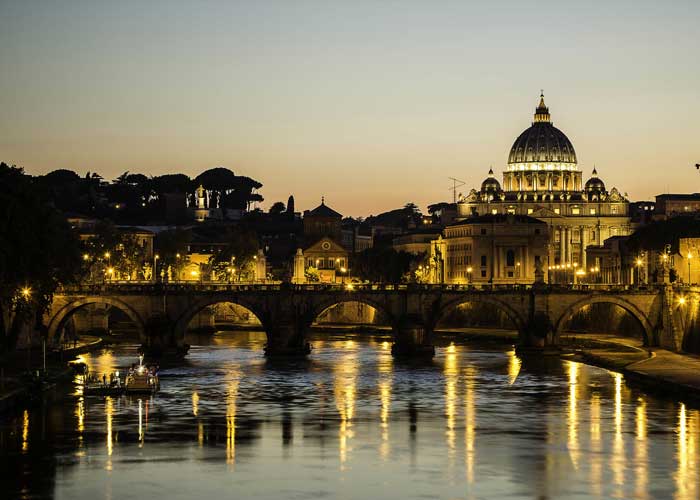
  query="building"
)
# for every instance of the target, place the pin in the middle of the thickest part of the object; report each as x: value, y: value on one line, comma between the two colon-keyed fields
x: 671, y: 245
x: 543, y: 180
x: 492, y: 248
x: 323, y: 248
x: 416, y: 242
x: 672, y: 205
x: 642, y: 212
x: 355, y: 239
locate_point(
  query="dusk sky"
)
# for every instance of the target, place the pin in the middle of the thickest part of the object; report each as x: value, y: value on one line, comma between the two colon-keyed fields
x: 370, y: 104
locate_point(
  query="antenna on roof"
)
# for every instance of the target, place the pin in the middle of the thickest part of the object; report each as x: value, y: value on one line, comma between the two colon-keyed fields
x: 455, y: 184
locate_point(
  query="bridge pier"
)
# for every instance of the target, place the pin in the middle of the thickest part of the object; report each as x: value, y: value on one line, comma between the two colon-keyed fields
x: 286, y: 339
x: 161, y: 339
x: 413, y: 339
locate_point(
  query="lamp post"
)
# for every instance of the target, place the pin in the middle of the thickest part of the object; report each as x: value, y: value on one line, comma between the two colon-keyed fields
x: 639, y: 271
x: 517, y: 267
x: 343, y: 270
x: 155, y: 267
x: 469, y: 275
x: 690, y: 256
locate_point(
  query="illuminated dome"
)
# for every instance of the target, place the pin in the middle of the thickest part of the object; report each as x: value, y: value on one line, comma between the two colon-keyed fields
x: 595, y: 184
x: 490, y: 184
x: 542, y: 146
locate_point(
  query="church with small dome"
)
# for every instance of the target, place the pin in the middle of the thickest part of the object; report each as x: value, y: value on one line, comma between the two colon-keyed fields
x: 542, y: 180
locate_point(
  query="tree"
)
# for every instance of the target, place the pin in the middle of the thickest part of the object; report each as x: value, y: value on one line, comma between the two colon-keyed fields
x: 384, y: 265
x: 277, y: 208
x: 237, y: 258
x: 38, y: 253
x: 172, y: 248
x: 112, y: 249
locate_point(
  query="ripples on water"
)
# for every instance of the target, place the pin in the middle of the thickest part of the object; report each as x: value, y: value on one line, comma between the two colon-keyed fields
x: 352, y: 422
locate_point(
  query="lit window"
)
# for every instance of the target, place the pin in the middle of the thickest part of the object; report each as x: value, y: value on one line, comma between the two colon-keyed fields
x: 556, y: 210
x: 494, y: 211
x: 511, y: 211
x: 529, y: 211
x: 591, y: 211
x: 575, y: 211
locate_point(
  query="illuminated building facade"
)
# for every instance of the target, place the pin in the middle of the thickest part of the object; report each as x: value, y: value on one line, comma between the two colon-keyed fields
x: 543, y: 180
x: 500, y: 248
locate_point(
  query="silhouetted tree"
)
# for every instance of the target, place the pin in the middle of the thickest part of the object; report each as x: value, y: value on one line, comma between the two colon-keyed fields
x: 277, y: 208
x: 38, y: 252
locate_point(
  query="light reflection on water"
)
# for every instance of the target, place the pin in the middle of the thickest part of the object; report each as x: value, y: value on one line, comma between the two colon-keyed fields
x: 353, y: 422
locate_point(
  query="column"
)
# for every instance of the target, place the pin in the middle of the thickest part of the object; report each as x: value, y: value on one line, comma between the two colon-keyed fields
x: 562, y: 244
x: 582, y: 260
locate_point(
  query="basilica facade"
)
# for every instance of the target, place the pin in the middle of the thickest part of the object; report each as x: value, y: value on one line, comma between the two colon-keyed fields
x: 543, y: 181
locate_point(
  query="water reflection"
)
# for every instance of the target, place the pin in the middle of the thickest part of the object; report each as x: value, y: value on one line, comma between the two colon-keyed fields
x: 573, y: 415
x: 524, y: 427
x: 344, y: 391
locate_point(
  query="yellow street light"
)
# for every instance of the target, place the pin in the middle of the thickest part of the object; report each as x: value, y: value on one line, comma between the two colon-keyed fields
x: 194, y: 273
x: 85, y: 256
x: 26, y: 291
x: 177, y: 255
x: 107, y: 255
x: 681, y: 301
x: 110, y: 270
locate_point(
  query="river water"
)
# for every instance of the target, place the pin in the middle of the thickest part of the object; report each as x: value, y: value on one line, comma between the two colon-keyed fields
x: 352, y: 422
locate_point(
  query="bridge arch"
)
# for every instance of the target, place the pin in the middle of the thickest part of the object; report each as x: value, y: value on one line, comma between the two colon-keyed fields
x: 183, y: 320
x: 633, y: 310
x: 319, y: 307
x: 57, y: 321
x: 516, y: 317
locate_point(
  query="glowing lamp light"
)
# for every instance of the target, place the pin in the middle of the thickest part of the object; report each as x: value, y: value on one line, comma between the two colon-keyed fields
x: 194, y: 273
x: 349, y: 286
x: 85, y: 256
x: 110, y: 270
x: 26, y: 292
x: 107, y: 254
x: 681, y: 301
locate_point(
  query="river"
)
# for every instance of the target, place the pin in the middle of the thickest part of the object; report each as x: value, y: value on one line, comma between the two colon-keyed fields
x: 352, y: 422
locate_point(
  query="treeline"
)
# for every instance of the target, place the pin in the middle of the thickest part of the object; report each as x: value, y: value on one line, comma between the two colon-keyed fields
x: 134, y: 198
x: 38, y: 252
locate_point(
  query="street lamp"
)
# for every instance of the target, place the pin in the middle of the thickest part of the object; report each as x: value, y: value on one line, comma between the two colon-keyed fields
x: 690, y: 256
x: 517, y: 266
x: 26, y: 292
x: 155, y: 267
x: 469, y: 275
x: 639, y: 271
x: 110, y: 273
x: 342, y: 275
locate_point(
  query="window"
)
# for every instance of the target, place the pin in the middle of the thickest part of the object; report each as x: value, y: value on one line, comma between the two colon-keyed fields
x: 510, y: 274
x: 511, y: 211
x: 591, y: 211
x: 529, y: 211
x: 483, y: 274
x: 613, y: 209
x: 537, y: 231
x: 575, y: 211
x: 494, y: 211
x: 556, y: 211
x: 483, y: 260
x: 510, y: 258
x: 483, y: 230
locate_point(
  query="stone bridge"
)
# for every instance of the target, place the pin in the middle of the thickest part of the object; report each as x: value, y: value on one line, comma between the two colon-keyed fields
x: 162, y: 312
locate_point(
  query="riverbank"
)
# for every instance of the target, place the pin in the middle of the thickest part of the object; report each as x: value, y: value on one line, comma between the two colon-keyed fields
x: 24, y: 379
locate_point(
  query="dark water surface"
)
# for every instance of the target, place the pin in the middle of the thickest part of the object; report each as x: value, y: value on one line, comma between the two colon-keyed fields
x: 352, y: 422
